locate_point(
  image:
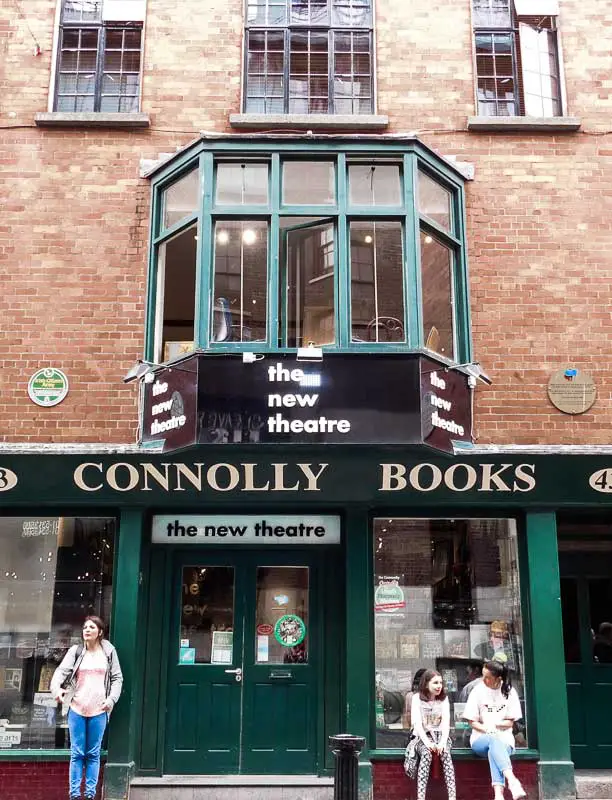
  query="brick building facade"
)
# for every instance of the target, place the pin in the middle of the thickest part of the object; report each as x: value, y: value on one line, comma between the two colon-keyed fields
x: 82, y: 190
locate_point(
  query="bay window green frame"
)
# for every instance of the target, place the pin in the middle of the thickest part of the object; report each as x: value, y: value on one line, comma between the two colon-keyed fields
x: 410, y: 154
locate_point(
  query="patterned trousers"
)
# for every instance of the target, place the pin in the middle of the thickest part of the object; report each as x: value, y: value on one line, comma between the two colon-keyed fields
x: 425, y: 759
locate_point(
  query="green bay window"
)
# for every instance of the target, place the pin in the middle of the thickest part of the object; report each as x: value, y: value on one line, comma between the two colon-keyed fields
x: 349, y: 247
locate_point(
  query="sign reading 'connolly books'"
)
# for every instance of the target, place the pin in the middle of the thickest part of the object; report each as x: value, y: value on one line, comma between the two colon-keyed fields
x: 346, y: 398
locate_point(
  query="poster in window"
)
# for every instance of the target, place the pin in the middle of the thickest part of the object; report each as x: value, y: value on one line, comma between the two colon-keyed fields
x: 456, y: 643
x: 386, y: 644
x: 222, y: 647
x: 449, y: 676
x: 431, y: 644
x: 409, y: 645
x: 479, y: 640
x: 12, y: 678
x: 44, y: 679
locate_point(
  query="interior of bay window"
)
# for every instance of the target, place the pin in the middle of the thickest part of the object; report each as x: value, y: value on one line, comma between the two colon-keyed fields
x: 239, y: 297
x: 176, y: 282
x: 377, y: 282
x: 300, y: 249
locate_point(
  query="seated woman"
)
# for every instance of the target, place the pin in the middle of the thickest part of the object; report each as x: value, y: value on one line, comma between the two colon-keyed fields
x: 492, y: 708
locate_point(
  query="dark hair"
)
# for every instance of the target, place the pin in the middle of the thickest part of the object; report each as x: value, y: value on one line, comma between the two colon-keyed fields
x: 417, y: 678
x: 424, y: 685
x: 499, y: 670
x: 98, y: 623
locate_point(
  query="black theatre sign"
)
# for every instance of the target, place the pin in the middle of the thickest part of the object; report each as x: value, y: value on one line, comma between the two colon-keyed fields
x: 343, y: 399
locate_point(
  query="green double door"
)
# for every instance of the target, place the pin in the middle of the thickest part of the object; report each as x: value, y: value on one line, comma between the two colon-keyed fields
x: 246, y: 649
x: 586, y: 600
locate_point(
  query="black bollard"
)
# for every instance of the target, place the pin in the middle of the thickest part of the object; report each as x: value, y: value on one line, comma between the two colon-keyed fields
x: 346, y: 749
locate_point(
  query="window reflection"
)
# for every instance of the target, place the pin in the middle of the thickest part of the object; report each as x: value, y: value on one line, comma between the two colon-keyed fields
x: 375, y: 185
x: 434, y: 201
x: 437, y: 289
x: 207, y: 615
x: 176, y: 280
x: 282, y: 625
x: 242, y: 184
x: 181, y: 199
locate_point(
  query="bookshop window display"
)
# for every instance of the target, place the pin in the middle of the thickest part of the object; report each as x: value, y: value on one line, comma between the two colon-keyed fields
x: 54, y: 572
x: 446, y: 597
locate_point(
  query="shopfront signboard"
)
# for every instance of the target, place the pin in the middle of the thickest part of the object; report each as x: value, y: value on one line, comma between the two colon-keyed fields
x: 343, y: 399
x: 236, y: 529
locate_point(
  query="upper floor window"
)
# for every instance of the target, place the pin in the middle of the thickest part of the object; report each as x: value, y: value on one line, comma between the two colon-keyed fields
x: 309, y: 57
x: 99, y: 56
x: 517, y: 58
x: 276, y: 249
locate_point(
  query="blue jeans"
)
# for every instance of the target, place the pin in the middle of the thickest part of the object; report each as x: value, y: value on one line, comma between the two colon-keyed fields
x: 498, y: 753
x: 85, y: 742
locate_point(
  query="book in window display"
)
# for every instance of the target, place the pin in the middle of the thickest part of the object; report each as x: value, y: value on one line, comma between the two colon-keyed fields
x: 456, y: 643
x: 409, y: 645
x: 431, y: 644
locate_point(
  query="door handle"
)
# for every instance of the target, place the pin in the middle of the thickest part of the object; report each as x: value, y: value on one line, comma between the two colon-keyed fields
x: 237, y: 672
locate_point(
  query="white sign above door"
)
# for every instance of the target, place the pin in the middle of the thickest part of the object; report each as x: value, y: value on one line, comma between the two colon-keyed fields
x: 238, y: 529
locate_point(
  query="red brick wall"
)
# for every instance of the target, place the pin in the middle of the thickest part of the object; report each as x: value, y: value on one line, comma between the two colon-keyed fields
x: 75, y: 214
x: 35, y: 780
x: 472, y: 776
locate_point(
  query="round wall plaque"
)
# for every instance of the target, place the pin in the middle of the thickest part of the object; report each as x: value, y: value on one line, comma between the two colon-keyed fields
x: 48, y: 387
x: 571, y: 390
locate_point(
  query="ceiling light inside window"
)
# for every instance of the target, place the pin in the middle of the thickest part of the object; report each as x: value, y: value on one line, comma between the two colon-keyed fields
x: 368, y: 239
x: 428, y: 240
x: 249, y: 236
x: 223, y: 237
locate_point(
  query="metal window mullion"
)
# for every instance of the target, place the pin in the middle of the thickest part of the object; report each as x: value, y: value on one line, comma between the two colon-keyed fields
x: 518, y: 99
x: 331, y: 69
x: 412, y: 255
x: 205, y: 265
x: 287, y: 66
x: 345, y: 317
x: 275, y: 336
x: 99, y: 67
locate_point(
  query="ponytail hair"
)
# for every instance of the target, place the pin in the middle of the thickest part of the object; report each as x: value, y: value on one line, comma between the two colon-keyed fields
x: 498, y: 667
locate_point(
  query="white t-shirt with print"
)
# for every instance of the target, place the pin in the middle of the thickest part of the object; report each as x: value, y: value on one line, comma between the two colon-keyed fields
x: 489, y: 707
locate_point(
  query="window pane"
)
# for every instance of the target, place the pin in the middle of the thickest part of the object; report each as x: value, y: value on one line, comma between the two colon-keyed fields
x: 351, y: 13
x: 352, y: 74
x: 309, y: 301
x: 434, y: 201
x: 495, y: 71
x: 540, y: 71
x: 181, y: 199
x: 437, y: 300
x: 377, y: 282
x: 309, y: 183
x: 242, y: 184
x: 265, y: 82
x: 309, y: 12
x: 207, y: 616
x: 491, y: 13
x: 55, y: 572
x: 446, y: 597
x: 267, y: 12
x: 288, y: 622
x: 176, y: 277
x: 240, y: 281
x: 82, y: 10
x: 77, y: 70
x: 308, y: 73
x: 375, y: 185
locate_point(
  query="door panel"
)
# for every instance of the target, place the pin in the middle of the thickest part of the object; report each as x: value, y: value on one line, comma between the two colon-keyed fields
x: 244, y: 672
x: 586, y: 601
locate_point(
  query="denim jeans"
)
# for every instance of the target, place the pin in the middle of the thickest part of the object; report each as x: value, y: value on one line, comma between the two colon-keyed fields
x: 85, y: 742
x: 498, y: 753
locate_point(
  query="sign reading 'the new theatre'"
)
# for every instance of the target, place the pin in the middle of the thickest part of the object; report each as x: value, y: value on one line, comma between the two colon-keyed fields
x: 346, y: 398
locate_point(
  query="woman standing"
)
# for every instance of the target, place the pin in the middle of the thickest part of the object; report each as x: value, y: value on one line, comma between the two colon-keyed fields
x: 89, y: 681
x: 492, y: 708
x: 431, y: 724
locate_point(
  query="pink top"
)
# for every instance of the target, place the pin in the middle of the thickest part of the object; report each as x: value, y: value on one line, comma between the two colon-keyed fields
x: 90, y: 689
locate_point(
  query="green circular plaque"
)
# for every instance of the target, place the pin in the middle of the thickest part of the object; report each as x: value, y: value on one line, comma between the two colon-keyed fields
x: 289, y: 630
x: 48, y: 387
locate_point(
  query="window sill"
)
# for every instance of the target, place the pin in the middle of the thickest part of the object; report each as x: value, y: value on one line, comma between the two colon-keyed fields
x: 341, y: 122
x: 94, y: 119
x: 459, y: 753
x: 531, y: 124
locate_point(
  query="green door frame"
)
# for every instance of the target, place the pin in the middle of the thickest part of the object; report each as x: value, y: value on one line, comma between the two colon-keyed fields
x: 157, y: 600
x: 549, y: 695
